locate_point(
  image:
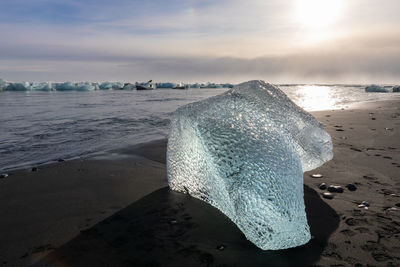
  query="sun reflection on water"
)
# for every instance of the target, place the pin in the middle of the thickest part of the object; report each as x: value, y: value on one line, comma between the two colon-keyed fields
x: 313, y: 97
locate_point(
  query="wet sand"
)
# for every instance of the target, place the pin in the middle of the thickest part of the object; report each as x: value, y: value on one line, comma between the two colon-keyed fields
x: 116, y: 209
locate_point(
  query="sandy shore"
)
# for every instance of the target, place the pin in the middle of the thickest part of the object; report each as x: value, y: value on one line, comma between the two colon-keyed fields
x: 116, y: 209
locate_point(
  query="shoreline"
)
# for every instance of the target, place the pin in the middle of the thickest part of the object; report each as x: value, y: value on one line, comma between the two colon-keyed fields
x: 75, y: 205
x: 112, y: 151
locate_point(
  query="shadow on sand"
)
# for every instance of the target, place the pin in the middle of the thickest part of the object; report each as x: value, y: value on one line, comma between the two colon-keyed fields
x: 166, y: 228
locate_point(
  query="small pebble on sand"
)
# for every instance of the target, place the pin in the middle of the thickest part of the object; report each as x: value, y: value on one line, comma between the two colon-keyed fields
x: 365, y: 203
x: 335, y: 189
x: 221, y: 247
x: 327, y: 195
x: 351, y: 187
x: 322, y: 186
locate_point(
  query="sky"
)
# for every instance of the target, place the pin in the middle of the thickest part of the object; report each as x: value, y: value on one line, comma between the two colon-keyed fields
x: 295, y: 41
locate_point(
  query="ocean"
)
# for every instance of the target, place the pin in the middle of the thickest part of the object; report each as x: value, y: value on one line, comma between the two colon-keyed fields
x: 42, y: 127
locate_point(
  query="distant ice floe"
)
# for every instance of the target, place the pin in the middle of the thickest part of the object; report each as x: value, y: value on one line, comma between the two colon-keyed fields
x: 376, y: 89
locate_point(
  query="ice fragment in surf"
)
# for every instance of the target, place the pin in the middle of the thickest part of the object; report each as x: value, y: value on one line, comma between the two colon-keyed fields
x: 244, y: 152
x: 376, y: 89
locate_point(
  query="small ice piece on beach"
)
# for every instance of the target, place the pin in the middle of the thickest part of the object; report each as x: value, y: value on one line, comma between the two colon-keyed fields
x: 376, y: 89
x: 316, y: 175
x: 244, y: 152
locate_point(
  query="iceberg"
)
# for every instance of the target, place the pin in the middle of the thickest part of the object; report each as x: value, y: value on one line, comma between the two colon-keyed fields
x: 105, y: 86
x: 86, y: 86
x: 166, y: 85
x: 244, y: 152
x: 129, y: 86
x: 67, y: 86
x: 45, y: 86
x: 396, y: 89
x: 111, y: 85
x: 117, y: 86
x: 376, y: 89
x: 24, y: 86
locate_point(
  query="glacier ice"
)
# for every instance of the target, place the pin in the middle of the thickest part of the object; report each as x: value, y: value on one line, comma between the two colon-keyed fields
x: 376, y: 89
x: 244, y: 152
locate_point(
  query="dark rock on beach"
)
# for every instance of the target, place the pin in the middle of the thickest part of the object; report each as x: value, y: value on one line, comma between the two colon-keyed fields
x: 335, y: 189
x: 322, y: 186
x: 327, y: 195
x: 351, y: 187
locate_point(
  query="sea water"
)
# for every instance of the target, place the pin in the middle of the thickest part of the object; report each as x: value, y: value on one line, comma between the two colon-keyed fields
x: 41, y: 127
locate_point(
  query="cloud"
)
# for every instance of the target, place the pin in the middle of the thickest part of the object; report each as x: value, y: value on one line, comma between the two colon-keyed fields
x: 194, y: 40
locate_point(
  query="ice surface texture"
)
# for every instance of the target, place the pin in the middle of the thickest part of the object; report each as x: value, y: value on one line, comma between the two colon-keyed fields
x: 244, y: 152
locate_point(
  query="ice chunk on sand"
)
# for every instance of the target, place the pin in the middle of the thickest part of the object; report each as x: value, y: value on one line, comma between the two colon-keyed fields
x: 376, y: 89
x: 396, y: 89
x: 244, y: 152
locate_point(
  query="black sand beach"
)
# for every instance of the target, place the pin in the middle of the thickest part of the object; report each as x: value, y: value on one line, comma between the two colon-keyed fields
x: 116, y: 209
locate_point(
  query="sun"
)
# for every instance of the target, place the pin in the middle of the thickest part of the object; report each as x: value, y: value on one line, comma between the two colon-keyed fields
x: 317, y: 14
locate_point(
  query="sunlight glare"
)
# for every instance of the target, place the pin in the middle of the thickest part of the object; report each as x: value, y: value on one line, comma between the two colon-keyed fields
x: 315, y: 14
x: 314, y: 97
